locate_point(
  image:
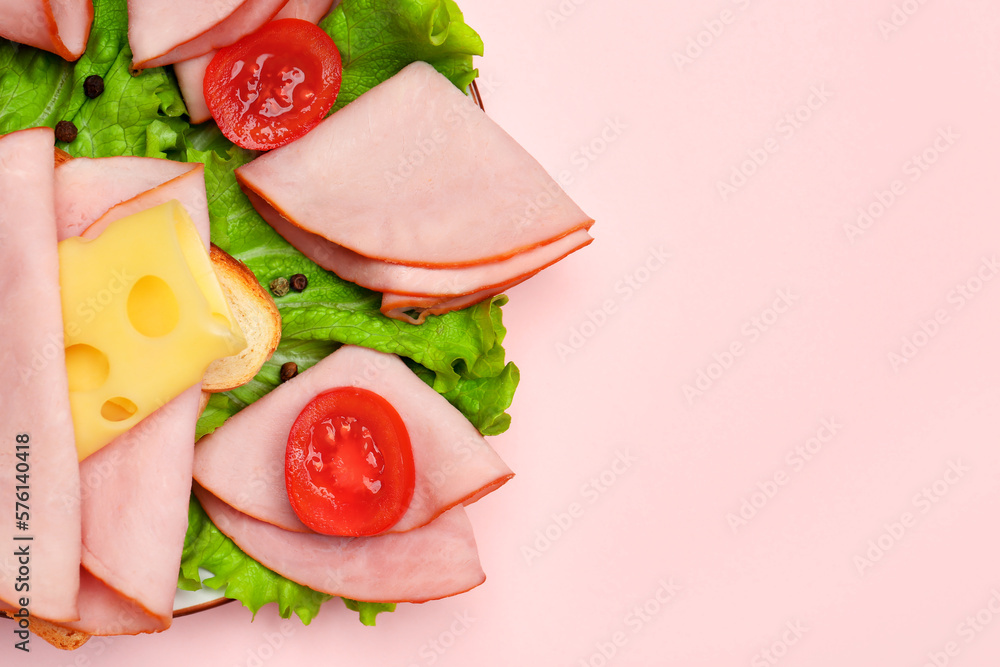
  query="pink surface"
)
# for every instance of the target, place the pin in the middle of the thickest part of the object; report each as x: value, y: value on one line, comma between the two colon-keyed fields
x: 905, y: 469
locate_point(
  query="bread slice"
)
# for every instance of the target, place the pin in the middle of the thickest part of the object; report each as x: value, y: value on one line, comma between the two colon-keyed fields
x: 58, y: 636
x: 256, y: 315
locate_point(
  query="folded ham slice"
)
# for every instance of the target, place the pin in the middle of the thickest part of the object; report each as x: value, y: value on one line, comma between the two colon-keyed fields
x: 87, y: 187
x: 35, y: 395
x: 162, y: 32
x: 142, y: 478
x: 413, y: 172
x: 412, y: 293
x: 432, y: 562
x: 242, y: 462
x: 135, y: 508
x: 59, y: 26
x: 191, y: 73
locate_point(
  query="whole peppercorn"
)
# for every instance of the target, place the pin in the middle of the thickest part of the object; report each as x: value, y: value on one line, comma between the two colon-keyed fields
x: 299, y: 282
x: 279, y: 286
x: 93, y: 86
x: 65, y: 131
x: 289, y: 369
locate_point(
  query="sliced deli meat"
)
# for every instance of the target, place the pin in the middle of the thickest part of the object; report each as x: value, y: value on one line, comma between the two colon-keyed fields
x: 188, y: 189
x: 35, y: 421
x: 143, y: 477
x: 59, y: 26
x: 413, y: 172
x: 429, y: 290
x: 135, y: 507
x: 429, y: 563
x: 85, y: 188
x: 242, y: 462
x: 162, y: 32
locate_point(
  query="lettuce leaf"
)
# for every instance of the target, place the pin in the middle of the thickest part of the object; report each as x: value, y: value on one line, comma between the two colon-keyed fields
x: 136, y: 115
x: 377, y: 38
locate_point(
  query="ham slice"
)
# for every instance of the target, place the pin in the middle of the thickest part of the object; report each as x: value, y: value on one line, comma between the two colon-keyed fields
x: 191, y: 79
x: 143, y: 477
x: 59, y: 26
x: 135, y: 508
x: 162, y: 32
x: 415, y: 280
x: 428, y: 563
x: 413, y: 172
x: 411, y: 293
x: 35, y: 396
x: 87, y: 187
x: 191, y: 73
x: 188, y: 189
x: 243, y: 461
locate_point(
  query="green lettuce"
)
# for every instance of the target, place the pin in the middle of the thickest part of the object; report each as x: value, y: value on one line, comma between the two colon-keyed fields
x: 459, y: 354
x: 377, y: 38
x: 242, y: 578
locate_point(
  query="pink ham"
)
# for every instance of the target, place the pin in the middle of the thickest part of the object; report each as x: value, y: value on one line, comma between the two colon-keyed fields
x: 143, y: 477
x: 415, y: 309
x: 428, y: 563
x: 191, y: 79
x: 35, y: 395
x: 188, y: 189
x: 413, y: 172
x: 191, y: 73
x: 135, y: 503
x: 243, y: 461
x: 414, y: 280
x: 87, y: 187
x: 59, y: 26
x: 162, y: 32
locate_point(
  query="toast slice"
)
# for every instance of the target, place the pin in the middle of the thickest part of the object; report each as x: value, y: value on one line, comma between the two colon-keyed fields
x: 58, y: 636
x: 257, y: 316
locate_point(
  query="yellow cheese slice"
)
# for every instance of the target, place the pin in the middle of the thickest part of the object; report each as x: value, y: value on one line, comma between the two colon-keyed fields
x: 144, y: 316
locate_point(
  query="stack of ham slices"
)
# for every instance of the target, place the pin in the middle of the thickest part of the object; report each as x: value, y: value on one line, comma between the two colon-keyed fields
x: 108, y: 531
x: 414, y: 192
x: 430, y: 553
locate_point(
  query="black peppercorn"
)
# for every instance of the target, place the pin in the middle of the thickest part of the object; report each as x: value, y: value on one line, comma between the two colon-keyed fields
x: 299, y: 282
x: 289, y: 370
x: 93, y: 86
x: 65, y: 131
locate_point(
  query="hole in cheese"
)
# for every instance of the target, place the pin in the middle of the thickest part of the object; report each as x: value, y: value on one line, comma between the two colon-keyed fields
x: 86, y: 366
x: 152, y: 307
x: 223, y: 320
x: 118, y: 409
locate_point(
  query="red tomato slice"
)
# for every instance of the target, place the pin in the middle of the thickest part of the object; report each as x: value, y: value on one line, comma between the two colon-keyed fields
x: 274, y: 85
x: 348, y: 464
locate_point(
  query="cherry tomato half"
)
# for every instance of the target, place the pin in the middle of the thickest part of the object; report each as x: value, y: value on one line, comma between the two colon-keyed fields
x: 274, y: 85
x: 348, y: 464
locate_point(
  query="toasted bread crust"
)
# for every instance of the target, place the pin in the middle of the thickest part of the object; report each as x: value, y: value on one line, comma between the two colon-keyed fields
x: 256, y: 315
x: 58, y: 636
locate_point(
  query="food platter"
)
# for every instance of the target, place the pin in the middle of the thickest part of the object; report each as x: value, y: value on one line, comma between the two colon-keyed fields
x: 190, y: 602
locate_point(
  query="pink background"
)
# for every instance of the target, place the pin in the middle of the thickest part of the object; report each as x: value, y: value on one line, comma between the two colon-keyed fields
x: 879, y: 549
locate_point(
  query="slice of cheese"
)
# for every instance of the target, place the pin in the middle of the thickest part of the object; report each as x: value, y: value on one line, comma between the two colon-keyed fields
x: 143, y: 317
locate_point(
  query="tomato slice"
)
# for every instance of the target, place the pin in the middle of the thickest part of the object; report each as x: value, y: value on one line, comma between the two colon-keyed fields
x: 274, y: 85
x: 348, y: 464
